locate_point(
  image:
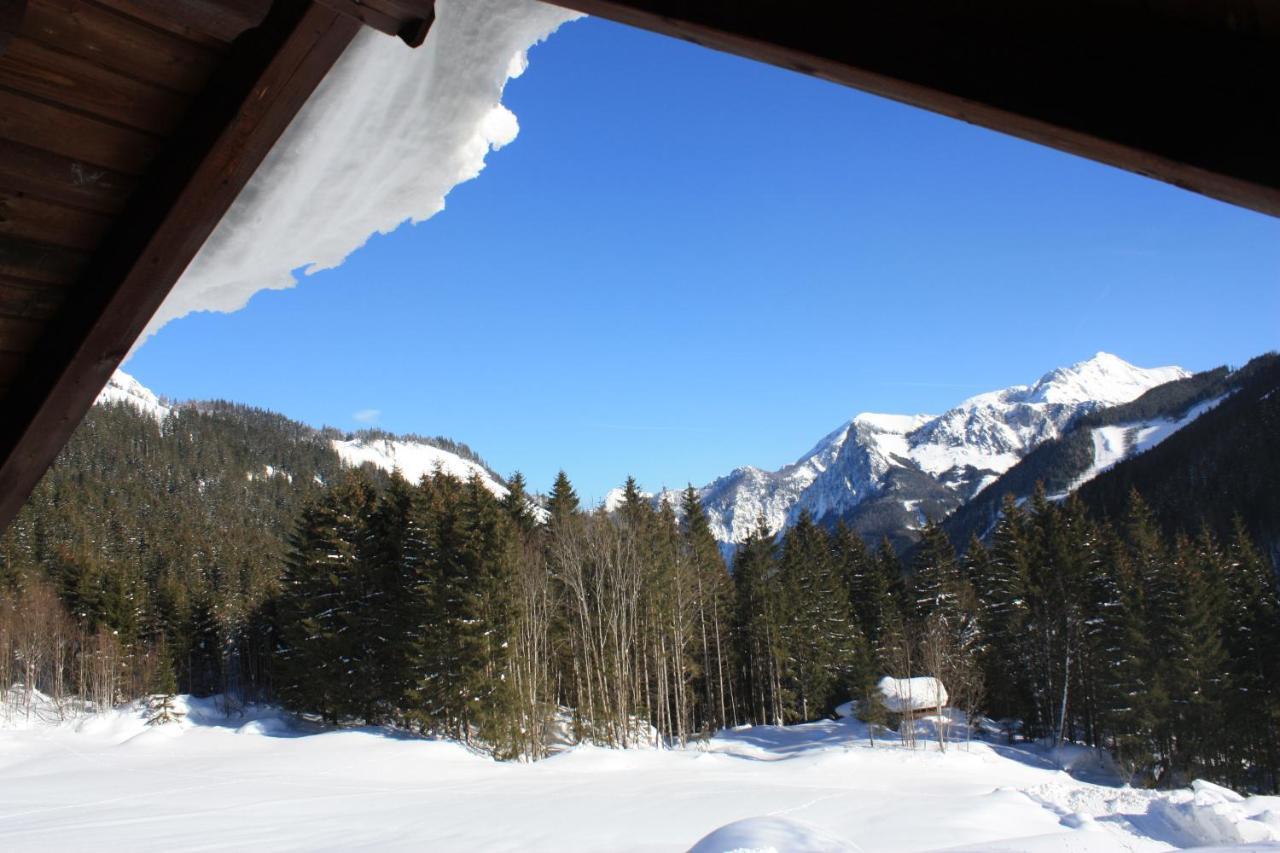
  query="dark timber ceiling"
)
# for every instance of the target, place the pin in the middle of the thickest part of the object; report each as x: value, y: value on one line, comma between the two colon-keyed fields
x: 127, y: 127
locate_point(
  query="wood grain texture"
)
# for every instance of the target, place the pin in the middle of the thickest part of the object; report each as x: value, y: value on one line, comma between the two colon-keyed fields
x: 267, y: 77
x: 11, y: 17
x: 121, y: 44
x: 206, y: 21
x: 40, y: 124
x: 32, y: 68
x: 33, y: 218
x: 52, y: 177
x: 35, y: 300
x: 37, y: 261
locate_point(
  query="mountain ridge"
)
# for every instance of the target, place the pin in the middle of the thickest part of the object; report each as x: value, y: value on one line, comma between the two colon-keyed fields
x: 884, y: 473
x: 413, y: 456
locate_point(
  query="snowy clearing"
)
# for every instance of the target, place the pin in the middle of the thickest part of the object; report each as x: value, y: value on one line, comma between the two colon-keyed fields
x: 258, y: 780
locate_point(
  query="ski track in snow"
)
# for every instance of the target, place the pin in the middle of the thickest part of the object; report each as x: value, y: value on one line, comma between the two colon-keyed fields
x: 260, y: 781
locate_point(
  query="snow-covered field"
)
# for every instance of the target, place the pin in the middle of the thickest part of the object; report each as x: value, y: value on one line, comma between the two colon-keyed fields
x: 261, y: 781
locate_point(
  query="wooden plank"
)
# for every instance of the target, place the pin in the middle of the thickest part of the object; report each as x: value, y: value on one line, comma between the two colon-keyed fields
x: 121, y: 44
x: 37, y: 261
x: 12, y: 365
x: 269, y: 75
x: 39, y: 124
x: 34, y: 69
x: 33, y: 218
x: 34, y: 299
x: 408, y: 19
x: 207, y: 21
x: 365, y: 14
x: 54, y: 178
x: 19, y: 334
x: 11, y: 15
x: 1178, y: 91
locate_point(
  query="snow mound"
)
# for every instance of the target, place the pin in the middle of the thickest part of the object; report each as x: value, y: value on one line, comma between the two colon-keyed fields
x: 772, y: 835
x: 901, y: 695
x: 384, y: 138
x: 1213, y: 815
x: 266, y: 726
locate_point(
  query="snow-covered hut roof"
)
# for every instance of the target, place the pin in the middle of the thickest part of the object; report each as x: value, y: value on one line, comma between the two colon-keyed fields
x: 901, y: 695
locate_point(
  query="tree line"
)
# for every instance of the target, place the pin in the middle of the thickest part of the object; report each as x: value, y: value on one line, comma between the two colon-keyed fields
x: 148, y: 561
x: 1117, y: 634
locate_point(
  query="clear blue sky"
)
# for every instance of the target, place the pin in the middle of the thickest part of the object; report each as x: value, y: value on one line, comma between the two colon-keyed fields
x: 689, y: 262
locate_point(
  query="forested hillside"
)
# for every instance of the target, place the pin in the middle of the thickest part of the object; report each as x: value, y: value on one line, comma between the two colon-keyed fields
x: 169, y: 526
x: 1223, y: 465
x: 215, y: 548
x: 1062, y: 465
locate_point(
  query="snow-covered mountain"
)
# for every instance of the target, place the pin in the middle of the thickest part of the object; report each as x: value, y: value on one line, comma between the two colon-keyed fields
x: 885, y: 473
x: 123, y: 388
x: 413, y: 458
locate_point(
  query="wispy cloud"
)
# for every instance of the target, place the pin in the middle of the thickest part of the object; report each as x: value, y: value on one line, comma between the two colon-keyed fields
x: 367, y: 416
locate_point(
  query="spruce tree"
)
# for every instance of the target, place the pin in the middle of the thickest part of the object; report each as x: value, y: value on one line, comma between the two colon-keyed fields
x: 756, y: 624
x: 563, y: 502
x: 321, y: 667
x: 516, y: 503
x: 1250, y: 626
x: 820, y: 638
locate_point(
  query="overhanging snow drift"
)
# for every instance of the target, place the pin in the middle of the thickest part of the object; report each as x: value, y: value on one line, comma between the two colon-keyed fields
x: 383, y: 140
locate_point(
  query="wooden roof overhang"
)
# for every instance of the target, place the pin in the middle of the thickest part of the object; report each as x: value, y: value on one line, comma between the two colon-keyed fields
x: 127, y: 127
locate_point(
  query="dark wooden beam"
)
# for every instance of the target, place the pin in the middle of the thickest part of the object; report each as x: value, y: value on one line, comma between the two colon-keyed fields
x: 11, y: 15
x: 410, y: 20
x: 1178, y: 90
x: 267, y: 77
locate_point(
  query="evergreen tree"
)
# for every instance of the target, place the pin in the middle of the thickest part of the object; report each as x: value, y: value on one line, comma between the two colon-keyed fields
x: 563, y: 502
x: 319, y: 659
x: 713, y: 590
x: 516, y: 503
x: 820, y: 638
x: 1250, y: 625
x: 1000, y: 581
x: 757, y: 626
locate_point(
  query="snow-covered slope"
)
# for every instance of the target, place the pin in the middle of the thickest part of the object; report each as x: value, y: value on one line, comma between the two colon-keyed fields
x: 924, y: 464
x: 1116, y: 443
x: 414, y: 460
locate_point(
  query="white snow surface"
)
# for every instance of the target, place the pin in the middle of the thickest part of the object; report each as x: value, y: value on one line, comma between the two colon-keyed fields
x: 1118, y: 442
x: 384, y: 138
x: 414, y: 460
x: 967, y: 446
x: 123, y: 389
x: 257, y: 779
x: 912, y: 694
